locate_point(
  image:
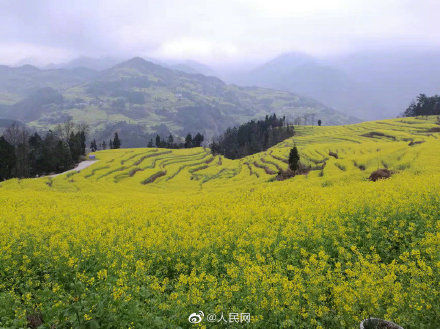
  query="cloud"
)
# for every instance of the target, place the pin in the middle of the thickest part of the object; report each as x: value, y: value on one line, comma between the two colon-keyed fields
x: 199, y: 49
x: 210, y: 31
x: 13, y: 53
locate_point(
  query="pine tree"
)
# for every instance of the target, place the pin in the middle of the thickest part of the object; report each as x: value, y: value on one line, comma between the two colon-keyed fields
x: 294, y: 159
x: 82, y: 141
x: 75, y: 144
x: 198, y: 139
x: 104, y: 145
x: 110, y: 144
x: 188, y: 141
x: 150, y: 143
x: 7, y: 159
x: 158, y: 142
x: 319, y: 122
x: 116, y: 142
x: 170, y: 140
x: 64, y: 157
x: 93, y: 146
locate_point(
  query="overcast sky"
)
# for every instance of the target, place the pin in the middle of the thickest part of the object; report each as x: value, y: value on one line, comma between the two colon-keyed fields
x: 212, y: 32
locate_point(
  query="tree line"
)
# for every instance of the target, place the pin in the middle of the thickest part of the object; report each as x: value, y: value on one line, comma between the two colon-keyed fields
x: 252, y: 137
x: 424, y: 106
x: 170, y: 143
x: 24, y: 154
x: 114, y: 143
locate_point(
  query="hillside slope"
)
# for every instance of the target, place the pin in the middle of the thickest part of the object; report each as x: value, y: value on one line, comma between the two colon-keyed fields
x: 400, y: 145
x: 138, y: 98
x: 144, y: 238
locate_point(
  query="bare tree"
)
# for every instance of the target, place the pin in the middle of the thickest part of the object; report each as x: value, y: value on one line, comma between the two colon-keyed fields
x: 12, y: 134
x: 18, y: 136
x: 65, y: 129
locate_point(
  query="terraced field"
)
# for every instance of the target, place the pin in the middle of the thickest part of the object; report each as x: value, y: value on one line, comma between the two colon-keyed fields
x: 356, y: 150
x: 145, y: 237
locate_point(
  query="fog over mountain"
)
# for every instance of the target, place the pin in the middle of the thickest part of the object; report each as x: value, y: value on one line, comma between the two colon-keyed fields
x: 369, y: 85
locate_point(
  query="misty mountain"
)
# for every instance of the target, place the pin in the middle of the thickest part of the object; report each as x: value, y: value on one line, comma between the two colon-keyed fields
x: 19, y: 82
x: 369, y: 85
x: 96, y: 64
x: 194, y: 68
x: 104, y: 63
x: 138, y: 99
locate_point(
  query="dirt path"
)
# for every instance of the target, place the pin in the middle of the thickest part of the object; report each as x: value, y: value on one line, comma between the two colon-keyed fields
x: 82, y: 165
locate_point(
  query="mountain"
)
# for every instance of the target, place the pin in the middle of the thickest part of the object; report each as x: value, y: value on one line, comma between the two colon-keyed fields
x: 369, y: 85
x: 194, y: 68
x: 19, y: 82
x: 97, y: 64
x: 390, y: 80
x: 138, y: 99
x: 308, y: 76
x: 304, y: 75
x: 278, y: 65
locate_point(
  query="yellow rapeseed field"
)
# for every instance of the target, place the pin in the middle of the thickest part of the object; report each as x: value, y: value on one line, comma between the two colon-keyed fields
x: 143, y: 238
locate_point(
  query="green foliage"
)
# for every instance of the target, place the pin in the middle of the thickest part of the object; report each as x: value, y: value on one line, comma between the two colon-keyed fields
x: 55, y: 152
x: 7, y: 159
x: 170, y: 143
x: 188, y: 141
x: 116, y: 141
x: 294, y: 159
x: 425, y: 106
x: 252, y: 137
x: 93, y: 146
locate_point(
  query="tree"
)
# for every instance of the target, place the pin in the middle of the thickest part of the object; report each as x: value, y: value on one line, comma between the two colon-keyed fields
x: 198, y: 139
x: 188, y: 141
x: 150, y: 143
x: 18, y: 137
x: 104, y: 145
x: 7, y: 159
x: 158, y: 142
x: 82, y: 141
x: 319, y: 122
x: 36, y: 156
x: 170, y: 140
x: 294, y: 159
x: 63, y: 155
x: 252, y: 137
x: 65, y: 129
x: 93, y: 146
x: 75, y: 144
x: 110, y: 144
x: 116, y: 141
x: 425, y: 106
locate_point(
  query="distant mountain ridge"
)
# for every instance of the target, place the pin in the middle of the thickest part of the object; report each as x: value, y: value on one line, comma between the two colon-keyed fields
x: 369, y: 85
x: 139, y: 98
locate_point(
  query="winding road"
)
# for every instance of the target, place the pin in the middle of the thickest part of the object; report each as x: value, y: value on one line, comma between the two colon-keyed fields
x: 82, y: 165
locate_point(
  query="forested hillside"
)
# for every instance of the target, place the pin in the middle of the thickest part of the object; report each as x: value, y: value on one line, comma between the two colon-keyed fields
x: 139, y: 99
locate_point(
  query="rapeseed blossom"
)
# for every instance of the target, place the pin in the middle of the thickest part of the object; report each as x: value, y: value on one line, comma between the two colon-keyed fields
x: 324, y: 250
